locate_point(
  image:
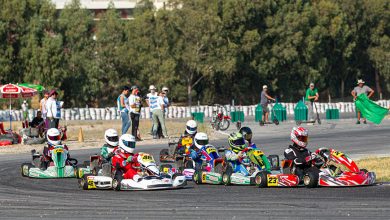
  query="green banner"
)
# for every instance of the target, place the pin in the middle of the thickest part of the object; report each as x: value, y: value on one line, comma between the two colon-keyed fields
x: 372, y: 111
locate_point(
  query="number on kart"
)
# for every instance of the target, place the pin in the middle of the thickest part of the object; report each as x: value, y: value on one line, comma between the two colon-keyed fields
x: 337, y: 154
x: 257, y: 153
x: 203, y: 177
x: 186, y: 141
x: 211, y: 150
x: 272, y: 181
x: 91, y: 184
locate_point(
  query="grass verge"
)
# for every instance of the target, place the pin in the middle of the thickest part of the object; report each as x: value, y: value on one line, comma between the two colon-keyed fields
x: 379, y: 165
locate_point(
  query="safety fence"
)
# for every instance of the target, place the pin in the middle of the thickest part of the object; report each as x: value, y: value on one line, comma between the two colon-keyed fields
x: 178, y: 111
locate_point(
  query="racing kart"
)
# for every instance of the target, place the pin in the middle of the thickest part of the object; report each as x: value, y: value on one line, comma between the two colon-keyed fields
x: 60, y: 167
x: 152, y: 178
x: 213, y: 165
x: 337, y: 169
x: 168, y: 155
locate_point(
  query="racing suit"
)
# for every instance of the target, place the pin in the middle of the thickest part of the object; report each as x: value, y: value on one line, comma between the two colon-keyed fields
x: 107, y: 152
x: 301, y: 158
x: 126, y: 162
x: 196, y: 156
x: 235, y: 160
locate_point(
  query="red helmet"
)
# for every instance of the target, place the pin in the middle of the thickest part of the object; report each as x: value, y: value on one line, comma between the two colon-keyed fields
x: 300, y: 135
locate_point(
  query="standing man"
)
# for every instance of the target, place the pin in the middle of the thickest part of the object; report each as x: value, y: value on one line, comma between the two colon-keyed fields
x: 42, y: 108
x: 135, y: 107
x: 25, y: 114
x: 264, y: 103
x: 122, y: 103
x: 358, y: 90
x: 53, y: 108
x: 156, y: 105
x: 310, y: 97
x: 165, y: 98
x: 152, y: 93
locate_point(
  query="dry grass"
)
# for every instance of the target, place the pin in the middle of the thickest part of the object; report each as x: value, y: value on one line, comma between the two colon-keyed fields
x: 379, y: 165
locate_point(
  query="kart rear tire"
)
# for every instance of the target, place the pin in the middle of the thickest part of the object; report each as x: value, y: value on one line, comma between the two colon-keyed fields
x: 25, y: 168
x: 197, y: 177
x: 226, y: 176
x: 364, y: 170
x: 261, y: 179
x: 77, y: 171
x: 83, y: 182
x: 116, y: 182
x: 310, y: 179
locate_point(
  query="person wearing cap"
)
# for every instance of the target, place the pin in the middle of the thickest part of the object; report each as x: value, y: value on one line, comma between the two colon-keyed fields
x: 122, y: 105
x: 42, y: 107
x: 135, y: 108
x: 156, y: 105
x: 53, y: 108
x: 264, y: 97
x: 310, y: 97
x: 358, y: 90
x: 164, y: 92
x: 152, y: 93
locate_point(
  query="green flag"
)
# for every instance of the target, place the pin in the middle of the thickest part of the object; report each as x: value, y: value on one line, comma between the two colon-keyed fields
x: 39, y: 88
x: 372, y: 111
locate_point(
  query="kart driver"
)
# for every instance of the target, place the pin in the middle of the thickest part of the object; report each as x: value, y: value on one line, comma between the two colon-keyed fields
x: 53, y: 137
x: 235, y: 155
x: 191, y: 130
x: 125, y: 159
x: 299, y: 154
x: 247, y: 134
x: 108, y: 149
x: 200, y: 140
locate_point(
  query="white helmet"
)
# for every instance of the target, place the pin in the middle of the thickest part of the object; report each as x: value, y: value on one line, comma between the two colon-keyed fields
x: 127, y: 143
x: 165, y: 89
x: 300, y: 135
x: 152, y: 87
x: 53, y: 136
x: 191, y: 127
x: 201, y: 139
x: 111, y: 137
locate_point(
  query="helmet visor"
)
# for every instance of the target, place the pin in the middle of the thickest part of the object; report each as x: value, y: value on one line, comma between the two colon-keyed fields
x: 130, y: 144
x: 248, y: 136
x: 113, y: 139
x: 191, y: 129
x: 303, y: 138
x: 54, y: 138
x: 202, y: 142
x: 239, y: 142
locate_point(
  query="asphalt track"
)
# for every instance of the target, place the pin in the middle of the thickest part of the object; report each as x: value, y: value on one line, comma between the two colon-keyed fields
x: 24, y: 198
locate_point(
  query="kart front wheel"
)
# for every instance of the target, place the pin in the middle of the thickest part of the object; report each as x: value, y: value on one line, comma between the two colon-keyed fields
x: 226, y: 176
x: 197, y: 177
x: 261, y: 179
x: 83, y: 182
x: 310, y: 180
x: 116, y: 182
x: 25, y: 169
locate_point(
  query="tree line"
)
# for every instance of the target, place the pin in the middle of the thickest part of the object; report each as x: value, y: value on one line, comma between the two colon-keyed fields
x: 210, y: 51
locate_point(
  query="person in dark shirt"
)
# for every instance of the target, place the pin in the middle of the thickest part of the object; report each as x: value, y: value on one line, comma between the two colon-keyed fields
x: 38, y: 122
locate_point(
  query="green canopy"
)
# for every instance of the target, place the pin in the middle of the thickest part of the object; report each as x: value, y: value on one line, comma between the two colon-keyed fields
x: 39, y: 88
x: 370, y: 110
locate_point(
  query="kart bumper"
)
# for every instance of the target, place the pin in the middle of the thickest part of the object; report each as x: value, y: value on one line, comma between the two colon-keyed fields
x: 188, y: 173
x: 52, y: 172
x: 282, y: 180
x: 210, y: 178
x: 348, y: 179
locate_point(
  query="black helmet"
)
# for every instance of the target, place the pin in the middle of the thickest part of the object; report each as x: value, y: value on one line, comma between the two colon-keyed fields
x: 247, y: 133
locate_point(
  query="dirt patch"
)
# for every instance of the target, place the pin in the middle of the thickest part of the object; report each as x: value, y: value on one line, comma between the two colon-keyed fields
x: 379, y: 165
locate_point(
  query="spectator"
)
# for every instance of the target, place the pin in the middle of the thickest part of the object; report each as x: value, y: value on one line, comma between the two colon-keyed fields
x: 25, y: 114
x: 165, y: 91
x: 135, y: 107
x: 53, y: 108
x: 264, y: 103
x: 156, y: 105
x: 358, y: 90
x: 123, y: 109
x: 152, y: 93
x: 42, y: 107
x: 310, y: 97
x: 38, y: 123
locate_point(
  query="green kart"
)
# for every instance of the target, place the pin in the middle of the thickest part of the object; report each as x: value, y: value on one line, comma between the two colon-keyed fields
x: 60, y: 167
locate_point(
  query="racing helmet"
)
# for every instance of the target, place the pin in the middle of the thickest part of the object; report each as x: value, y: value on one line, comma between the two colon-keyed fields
x: 53, y: 136
x: 111, y: 137
x: 201, y: 139
x: 300, y: 136
x: 191, y: 127
x: 236, y: 142
x: 246, y: 133
x: 127, y: 143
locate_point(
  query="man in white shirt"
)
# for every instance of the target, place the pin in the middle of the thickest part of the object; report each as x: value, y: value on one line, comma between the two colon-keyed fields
x: 156, y: 105
x: 53, y: 108
x: 135, y: 108
x: 42, y: 108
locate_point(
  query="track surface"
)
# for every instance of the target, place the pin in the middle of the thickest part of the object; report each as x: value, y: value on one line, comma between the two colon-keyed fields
x: 25, y: 198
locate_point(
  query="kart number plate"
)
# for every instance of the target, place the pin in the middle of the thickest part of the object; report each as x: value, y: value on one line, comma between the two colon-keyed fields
x: 147, y: 158
x: 272, y: 180
x: 211, y: 150
x: 257, y: 153
x: 203, y: 177
x: 337, y: 154
x: 165, y: 170
x: 58, y: 150
x: 91, y: 184
x: 186, y: 141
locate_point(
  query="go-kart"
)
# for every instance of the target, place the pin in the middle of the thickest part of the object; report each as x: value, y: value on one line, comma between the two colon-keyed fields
x: 175, y: 148
x: 213, y: 165
x: 152, y: 178
x: 257, y: 167
x: 337, y: 169
x: 60, y: 167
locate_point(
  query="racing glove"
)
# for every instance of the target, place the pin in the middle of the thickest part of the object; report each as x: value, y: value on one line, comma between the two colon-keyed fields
x: 311, y: 157
x: 130, y: 159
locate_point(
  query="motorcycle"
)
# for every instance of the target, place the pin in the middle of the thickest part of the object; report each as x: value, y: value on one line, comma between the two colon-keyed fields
x: 219, y: 121
x: 60, y: 167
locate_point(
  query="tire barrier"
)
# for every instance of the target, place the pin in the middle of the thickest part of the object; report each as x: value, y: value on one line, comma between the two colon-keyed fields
x: 111, y: 113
